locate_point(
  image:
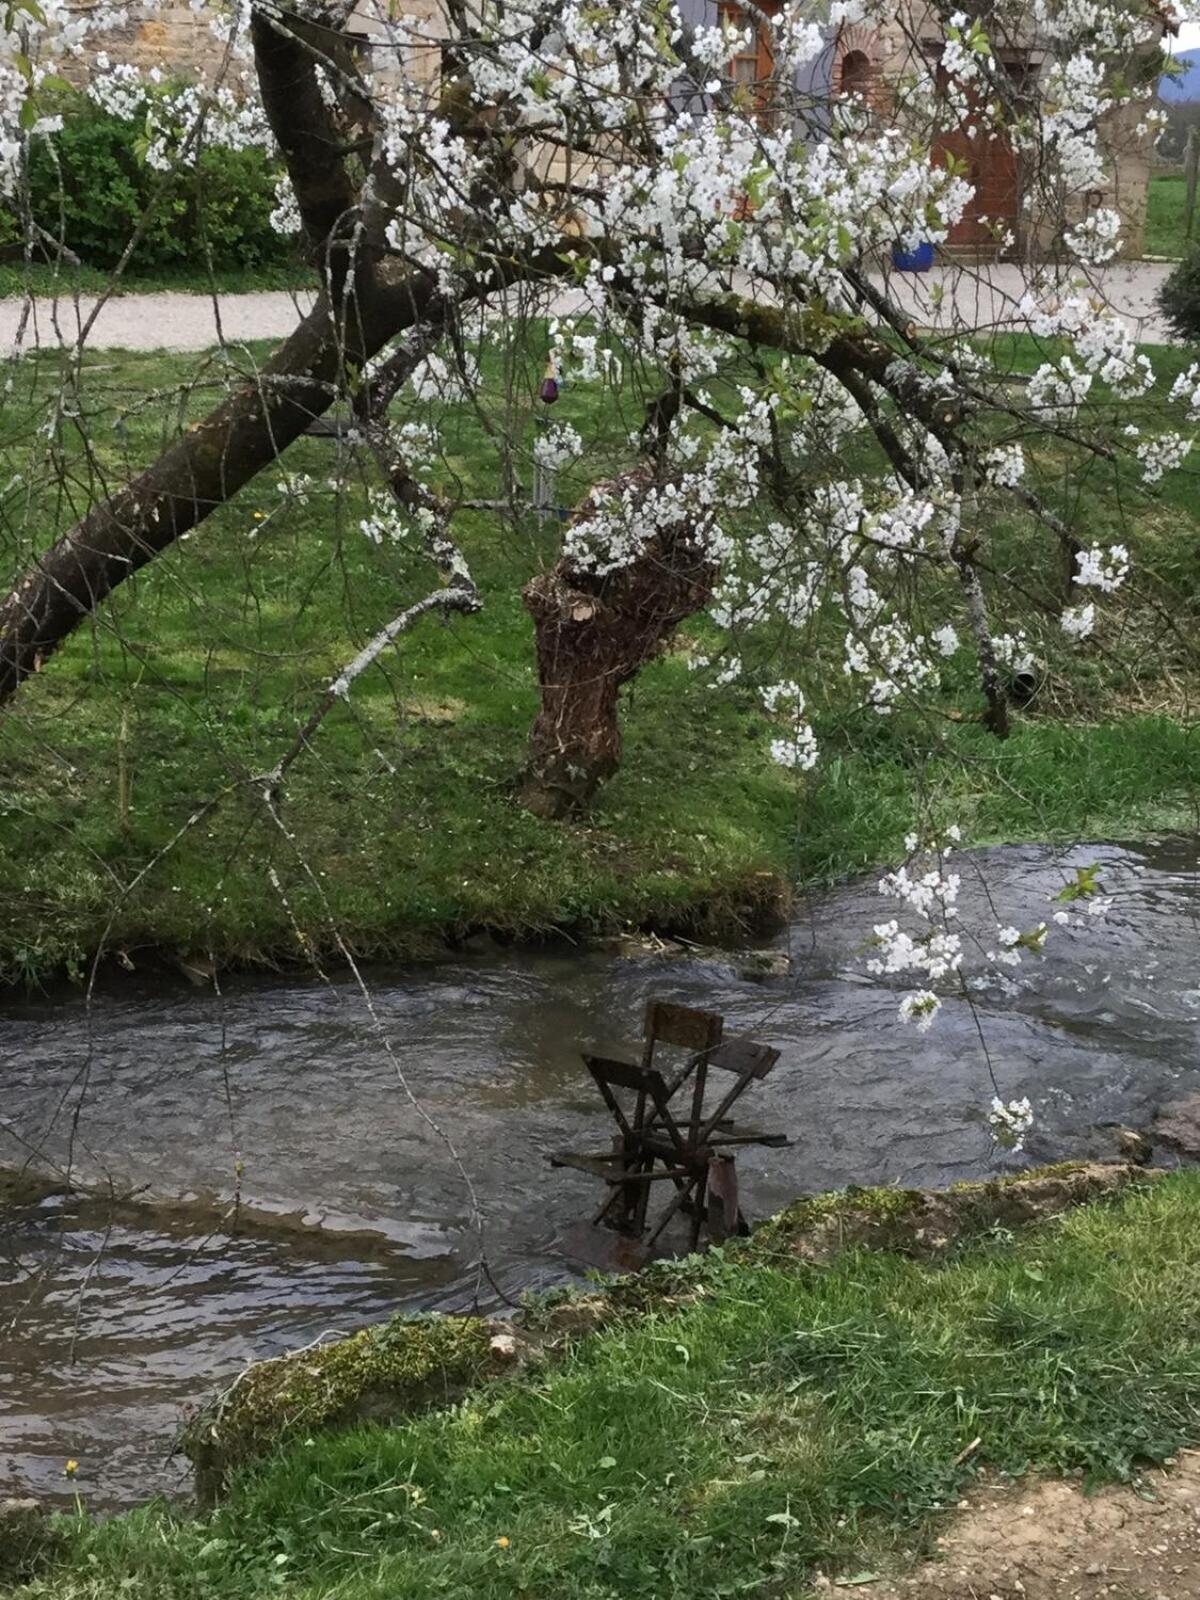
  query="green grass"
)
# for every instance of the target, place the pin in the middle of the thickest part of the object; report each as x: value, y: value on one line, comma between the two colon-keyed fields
x: 405, y: 825
x: 405, y: 804
x: 42, y: 280
x: 771, y: 1422
x: 1165, y: 206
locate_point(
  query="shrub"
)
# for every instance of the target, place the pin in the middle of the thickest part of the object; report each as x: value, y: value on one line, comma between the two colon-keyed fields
x: 1179, y: 297
x: 92, y: 188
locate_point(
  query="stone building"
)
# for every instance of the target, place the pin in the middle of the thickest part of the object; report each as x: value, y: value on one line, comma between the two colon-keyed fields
x: 874, y: 62
x: 871, y: 62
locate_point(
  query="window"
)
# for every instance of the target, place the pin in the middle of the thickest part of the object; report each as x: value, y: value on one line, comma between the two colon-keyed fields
x: 753, y: 65
x: 857, y: 74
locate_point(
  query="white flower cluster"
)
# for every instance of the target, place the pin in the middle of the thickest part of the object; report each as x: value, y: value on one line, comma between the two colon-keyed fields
x: 796, y: 38
x: 1187, y: 387
x: 710, y: 477
x: 557, y: 445
x: 435, y: 378
x: 932, y: 895
x: 1013, y: 651
x: 581, y: 355
x: 1104, y: 570
x: 178, y: 119
x: 920, y: 1007
x: 1095, y: 907
x: 1075, y: 96
x: 1004, y: 466
x: 946, y: 639
x: 930, y: 892
x: 1010, y: 1121
x: 799, y: 749
x: 418, y: 444
x: 385, y: 521
x: 1056, y: 393
x: 895, y: 660
x: 1159, y: 453
x: 1011, y: 941
x: 1104, y: 341
x: 285, y: 216
x: 1095, y: 239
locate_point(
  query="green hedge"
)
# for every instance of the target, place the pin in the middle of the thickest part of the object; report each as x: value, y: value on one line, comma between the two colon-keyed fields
x: 92, y: 187
x: 1179, y: 297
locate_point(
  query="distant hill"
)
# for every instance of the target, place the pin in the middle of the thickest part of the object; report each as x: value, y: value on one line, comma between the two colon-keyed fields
x: 1177, y: 91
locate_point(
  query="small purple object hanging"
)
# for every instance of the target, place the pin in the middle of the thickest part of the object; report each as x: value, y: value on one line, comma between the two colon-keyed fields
x: 549, y: 390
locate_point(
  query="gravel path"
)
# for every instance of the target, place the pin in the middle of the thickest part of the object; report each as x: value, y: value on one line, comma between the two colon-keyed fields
x: 988, y: 296
x: 969, y: 296
x: 158, y: 321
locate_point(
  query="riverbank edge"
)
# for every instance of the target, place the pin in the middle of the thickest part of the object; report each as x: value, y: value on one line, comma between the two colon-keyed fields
x: 749, y: 907
x: 888, y: 1273
x: 729, y: 922
x: 392, y: 1370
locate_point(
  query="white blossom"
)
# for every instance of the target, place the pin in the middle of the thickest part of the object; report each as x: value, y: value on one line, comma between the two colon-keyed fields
x: 1099, y: 569
x: 557, y: 445
x: 1010, y: 1121
x: 921, y: 1007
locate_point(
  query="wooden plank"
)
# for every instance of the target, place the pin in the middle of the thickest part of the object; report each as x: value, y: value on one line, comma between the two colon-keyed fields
x: 626, y: 1075
x: 774, y: 1141
x: 600, y: 1167
x: 740, y: 1055
x: 683, y: 1026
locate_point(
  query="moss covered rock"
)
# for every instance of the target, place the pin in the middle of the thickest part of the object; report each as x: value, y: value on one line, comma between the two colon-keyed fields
x: 377, y: 1375
x: 925, y: 1221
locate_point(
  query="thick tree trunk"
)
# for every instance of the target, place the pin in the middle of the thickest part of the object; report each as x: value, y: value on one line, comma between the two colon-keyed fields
x: 353, y: 319
x: 593, y: 634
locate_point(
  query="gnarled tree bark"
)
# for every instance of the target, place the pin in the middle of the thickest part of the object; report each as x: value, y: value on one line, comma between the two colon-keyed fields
x: 592, y: 635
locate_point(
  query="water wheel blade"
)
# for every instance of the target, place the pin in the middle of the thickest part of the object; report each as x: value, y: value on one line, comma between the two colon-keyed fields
x: 723, y: 1209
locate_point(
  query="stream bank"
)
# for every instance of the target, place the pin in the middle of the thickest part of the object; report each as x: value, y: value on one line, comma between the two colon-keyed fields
x: 742, y: 1422
x: 286, y: 1100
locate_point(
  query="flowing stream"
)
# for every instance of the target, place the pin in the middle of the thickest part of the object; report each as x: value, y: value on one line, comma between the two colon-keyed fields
x: 112, y: 1326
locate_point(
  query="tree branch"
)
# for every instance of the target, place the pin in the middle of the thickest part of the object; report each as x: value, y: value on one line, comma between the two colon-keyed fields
x: 303, y: 126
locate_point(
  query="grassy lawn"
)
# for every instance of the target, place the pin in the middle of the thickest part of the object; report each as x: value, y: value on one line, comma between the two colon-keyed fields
x: 765, y: 1421
x: 1165, y: 205
x: 65, y: 281
x: 194, y: 678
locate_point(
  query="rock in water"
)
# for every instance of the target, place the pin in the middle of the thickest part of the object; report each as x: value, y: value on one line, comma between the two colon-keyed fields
x: 759, y: 965
x: 1177, y: 1126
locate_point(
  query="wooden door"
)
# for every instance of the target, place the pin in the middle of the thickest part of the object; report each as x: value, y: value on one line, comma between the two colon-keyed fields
x: 992, y: 169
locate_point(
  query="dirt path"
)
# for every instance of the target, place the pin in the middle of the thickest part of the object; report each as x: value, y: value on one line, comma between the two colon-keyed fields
x: 1050, y: 1541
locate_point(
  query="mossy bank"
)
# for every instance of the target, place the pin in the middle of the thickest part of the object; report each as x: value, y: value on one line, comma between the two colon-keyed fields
x: 731, y: 1424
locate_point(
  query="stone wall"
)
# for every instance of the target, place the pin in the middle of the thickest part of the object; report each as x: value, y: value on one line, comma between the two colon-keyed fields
x: 174, y: 38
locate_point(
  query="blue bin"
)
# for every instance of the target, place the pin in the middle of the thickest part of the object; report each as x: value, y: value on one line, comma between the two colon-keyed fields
x: 918, y: 260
